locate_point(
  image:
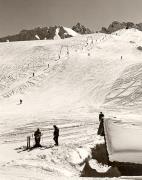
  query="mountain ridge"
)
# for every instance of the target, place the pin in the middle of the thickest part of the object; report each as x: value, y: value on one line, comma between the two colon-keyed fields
x: 116, y: 25
x: 43, y: 33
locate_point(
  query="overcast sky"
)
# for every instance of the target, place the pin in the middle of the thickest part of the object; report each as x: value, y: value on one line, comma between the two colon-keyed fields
x: 16, y: 15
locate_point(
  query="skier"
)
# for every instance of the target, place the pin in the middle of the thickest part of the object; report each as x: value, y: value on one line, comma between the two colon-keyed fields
x: 101, y: 126
x: 21, y: 101
x: 37, y: 136
x: 56, y: 134
x: 121, y: 57
x: 33, y: 74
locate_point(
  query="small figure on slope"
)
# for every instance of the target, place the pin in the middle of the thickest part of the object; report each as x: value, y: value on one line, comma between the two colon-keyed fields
x: 21, y: 101
x: 56, y: 134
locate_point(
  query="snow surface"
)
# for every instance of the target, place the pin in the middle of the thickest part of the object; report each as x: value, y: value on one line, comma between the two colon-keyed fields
x: 36, y: 36
x: 71, y: 32
x: 124, y: 140
x: 74, y: 79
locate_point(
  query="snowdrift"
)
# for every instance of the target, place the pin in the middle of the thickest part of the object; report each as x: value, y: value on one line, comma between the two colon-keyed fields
x: 123, y: 140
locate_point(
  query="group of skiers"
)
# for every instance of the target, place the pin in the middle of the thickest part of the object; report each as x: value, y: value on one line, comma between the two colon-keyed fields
x: 37, y: 135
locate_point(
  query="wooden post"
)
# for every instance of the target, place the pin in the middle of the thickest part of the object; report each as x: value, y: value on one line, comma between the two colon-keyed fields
x: 28, y: 142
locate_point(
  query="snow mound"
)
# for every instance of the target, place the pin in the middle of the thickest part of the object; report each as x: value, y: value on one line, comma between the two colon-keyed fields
x: 37, y: 37
x: 98, y: 166
x: 79, y: 155
x: 123, y: 141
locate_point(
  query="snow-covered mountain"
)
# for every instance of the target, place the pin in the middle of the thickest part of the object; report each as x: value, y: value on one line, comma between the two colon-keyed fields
x: 115, y: 26
x: 73, y: 80
x: 40, y: 33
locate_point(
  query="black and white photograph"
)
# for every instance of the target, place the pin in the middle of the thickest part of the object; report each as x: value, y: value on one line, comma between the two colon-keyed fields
x: 70, y: 89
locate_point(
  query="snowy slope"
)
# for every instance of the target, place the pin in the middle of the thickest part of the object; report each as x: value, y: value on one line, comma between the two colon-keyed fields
x: 127, y: 89
x: 81, y: 71
x: 73, y: 81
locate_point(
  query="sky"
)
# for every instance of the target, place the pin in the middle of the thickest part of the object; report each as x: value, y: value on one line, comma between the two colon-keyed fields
x: 16, y: 15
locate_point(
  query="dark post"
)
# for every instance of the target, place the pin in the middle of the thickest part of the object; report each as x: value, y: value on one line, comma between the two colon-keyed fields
x: 28, y: 142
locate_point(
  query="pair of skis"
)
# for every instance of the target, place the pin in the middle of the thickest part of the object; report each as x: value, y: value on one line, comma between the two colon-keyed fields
x: 24, y: 148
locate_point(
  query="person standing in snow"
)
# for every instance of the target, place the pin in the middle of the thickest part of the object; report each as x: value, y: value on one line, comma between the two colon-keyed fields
x: 56, y: 135
x: 37, y: 136
x: 101, y: 126
x: 101, y: 116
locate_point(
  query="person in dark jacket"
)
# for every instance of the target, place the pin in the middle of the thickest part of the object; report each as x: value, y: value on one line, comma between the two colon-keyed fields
x: 101, y: 116
x: 101, y: 126
x: 56, y: 135
x: 37, y: 136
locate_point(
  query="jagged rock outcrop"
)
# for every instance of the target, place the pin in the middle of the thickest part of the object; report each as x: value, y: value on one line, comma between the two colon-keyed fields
x: 81, y: 29
x: 37, y: 34
x: 115, y: 26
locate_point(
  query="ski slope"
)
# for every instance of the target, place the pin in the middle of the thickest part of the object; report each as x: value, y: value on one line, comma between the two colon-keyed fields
x: 74, y: 79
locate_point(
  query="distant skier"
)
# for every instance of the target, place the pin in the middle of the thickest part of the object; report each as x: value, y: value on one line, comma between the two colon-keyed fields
x: 37, y: 136
x: 33, y: 74
x: 101, y: 126
x: 48, y: 65
x: 121, y: 57
x: 21, y: 101
x: 56, y: 134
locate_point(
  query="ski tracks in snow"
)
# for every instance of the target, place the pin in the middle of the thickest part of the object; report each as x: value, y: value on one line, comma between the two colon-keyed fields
x: 74, y: 140
x: 71, y: 132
